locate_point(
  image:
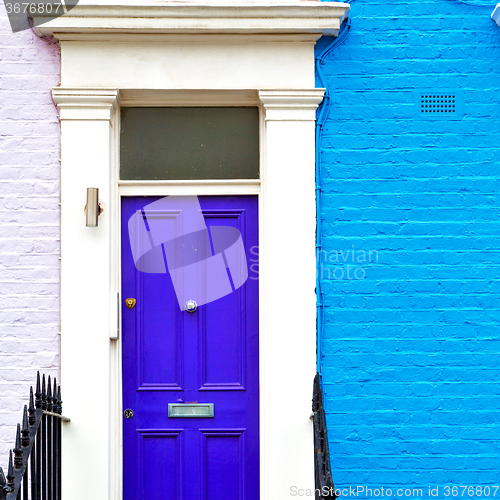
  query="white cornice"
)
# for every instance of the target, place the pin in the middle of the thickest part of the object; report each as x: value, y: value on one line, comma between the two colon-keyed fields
x: 295, y: 105
x: 85, y: 104
x: 299, y: 17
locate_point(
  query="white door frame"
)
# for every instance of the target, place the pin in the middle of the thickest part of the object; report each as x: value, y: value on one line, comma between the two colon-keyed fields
x: 275, y: 73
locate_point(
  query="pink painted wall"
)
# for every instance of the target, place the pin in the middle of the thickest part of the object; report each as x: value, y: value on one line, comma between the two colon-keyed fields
x: 29, y: 221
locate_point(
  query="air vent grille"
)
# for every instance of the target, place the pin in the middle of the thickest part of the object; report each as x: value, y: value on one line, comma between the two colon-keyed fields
x: 438, y: 104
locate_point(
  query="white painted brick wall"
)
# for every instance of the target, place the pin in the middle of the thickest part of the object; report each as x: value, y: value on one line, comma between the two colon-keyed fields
x: 29, y: 221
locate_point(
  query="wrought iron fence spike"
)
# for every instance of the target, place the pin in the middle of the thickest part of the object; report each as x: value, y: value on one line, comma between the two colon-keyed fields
x: 54, y: 397
x: 59, y: 400
x: 18, y: 452
x: 31, y: 410
x: 3, y: 481
x: 38, y: 393
x: 49, y: 395
x: 10, y: 472
x: 25, y: 433
x: 44, y: 393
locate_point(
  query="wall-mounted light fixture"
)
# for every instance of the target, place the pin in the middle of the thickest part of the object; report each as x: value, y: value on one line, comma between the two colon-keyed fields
x: 93, y: 208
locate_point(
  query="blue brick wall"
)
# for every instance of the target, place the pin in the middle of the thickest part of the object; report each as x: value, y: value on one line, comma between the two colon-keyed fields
x: 411, y: 250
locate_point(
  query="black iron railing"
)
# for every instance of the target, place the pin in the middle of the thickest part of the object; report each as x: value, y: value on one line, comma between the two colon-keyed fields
x: 324, y: 487
x: 34, y: 471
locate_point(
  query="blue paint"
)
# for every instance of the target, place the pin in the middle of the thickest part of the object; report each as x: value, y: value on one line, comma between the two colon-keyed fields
x: 321, y: 117
x: 409, y: 351
x: 173, y: 356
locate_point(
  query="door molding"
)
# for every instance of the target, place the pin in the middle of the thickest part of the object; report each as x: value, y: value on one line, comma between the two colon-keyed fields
x: 286, y: 270
x: 90, y: 257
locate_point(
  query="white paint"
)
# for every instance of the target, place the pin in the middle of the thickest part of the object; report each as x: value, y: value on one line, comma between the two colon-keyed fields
x: 187, y: 188
x: 288, y: 269
x: 91, y: 256
x: 311, y: 16
x: 86, y: 141
x: 177, y: 65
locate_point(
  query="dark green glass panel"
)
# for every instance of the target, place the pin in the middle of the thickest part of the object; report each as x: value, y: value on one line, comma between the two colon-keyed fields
x: 189, y: 143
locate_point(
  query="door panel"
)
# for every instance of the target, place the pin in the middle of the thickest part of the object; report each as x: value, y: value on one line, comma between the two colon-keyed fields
x: 171, y: 355
x: 159, y: 456
x: 223, y: 464
x: 159, y: 364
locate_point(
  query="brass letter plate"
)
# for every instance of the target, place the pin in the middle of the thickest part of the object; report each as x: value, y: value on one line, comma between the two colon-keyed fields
x: 187, y: 410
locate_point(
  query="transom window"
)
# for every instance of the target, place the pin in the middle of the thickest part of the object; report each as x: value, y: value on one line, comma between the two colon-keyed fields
x: 189, y: 143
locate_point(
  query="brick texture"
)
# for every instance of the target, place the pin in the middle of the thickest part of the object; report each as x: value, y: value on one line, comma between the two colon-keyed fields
x: 411, y: 342
x: 410, y: 261
x: 29, y: 221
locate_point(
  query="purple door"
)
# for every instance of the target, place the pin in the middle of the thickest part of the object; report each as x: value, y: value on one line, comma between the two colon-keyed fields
x: 190, y: 348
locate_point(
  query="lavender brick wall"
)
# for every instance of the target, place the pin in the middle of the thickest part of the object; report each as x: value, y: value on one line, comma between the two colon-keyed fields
x: 29, y: 220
